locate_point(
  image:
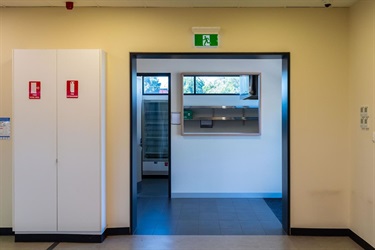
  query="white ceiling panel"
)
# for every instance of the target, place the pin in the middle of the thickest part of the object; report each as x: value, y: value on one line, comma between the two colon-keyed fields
x: 179, y: 3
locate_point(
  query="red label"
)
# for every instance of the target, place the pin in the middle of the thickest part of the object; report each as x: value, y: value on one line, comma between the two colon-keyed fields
x: 34, y: 89
x: 72, y: 89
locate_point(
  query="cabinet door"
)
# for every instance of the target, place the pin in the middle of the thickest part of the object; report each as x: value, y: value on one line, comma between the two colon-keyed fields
x: 34, y: 141
x: 79, y: 142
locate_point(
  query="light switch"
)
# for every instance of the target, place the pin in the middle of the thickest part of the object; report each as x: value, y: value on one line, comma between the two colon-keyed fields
x: 364, y: 117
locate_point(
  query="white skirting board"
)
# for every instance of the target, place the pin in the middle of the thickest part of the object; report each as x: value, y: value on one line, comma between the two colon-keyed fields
x: 226, y: 195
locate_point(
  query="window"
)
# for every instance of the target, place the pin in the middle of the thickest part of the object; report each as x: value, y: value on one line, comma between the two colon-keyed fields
x: 211, y: 84
x: 155, y: 84
x: 220, y: 103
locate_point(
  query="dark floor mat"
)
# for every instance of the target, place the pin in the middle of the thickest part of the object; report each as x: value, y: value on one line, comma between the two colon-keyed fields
x: 276, y: 206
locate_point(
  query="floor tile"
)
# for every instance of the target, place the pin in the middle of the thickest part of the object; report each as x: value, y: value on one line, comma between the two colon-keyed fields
x: 209, y: 231
x: 145, y: 230
x: 208, y: 216
x: 208, y: 208
x: 229, y: 224
x: 188, y: 223
x: 209, y: 223
x: 231, y: 231
x: 7, y: 243
x: 186, y: 215
x: 253, y: 231
x: 228, y: 216
x: 196, y: 242
x: 224, y: 209
x: 234, y: 216
x: 187, y: 230
x: 165, y: 230
x: 246, y: 216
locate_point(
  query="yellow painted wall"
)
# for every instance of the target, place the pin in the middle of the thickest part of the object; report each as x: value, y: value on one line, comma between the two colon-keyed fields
x: 316, y: 38
x: 361, y: 93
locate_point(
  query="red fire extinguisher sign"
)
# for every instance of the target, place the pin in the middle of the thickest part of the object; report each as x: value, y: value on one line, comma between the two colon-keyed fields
x: 72, y: 89
x: 34, y: 89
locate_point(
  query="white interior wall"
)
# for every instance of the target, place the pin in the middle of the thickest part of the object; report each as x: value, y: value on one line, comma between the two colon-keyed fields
x: 218, y: 166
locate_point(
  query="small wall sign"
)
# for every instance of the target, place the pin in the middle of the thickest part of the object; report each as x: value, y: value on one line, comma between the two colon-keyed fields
x: 34, y: 89
x: 206, y: 40
x: 206, y: 37
x: 4, y: 128
x: 72, y: 89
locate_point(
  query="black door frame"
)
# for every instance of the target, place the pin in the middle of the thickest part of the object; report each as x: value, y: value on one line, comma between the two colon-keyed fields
x: 285, y: 90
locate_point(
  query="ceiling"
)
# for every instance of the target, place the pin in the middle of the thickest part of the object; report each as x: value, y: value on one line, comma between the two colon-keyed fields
x: 181, y: 3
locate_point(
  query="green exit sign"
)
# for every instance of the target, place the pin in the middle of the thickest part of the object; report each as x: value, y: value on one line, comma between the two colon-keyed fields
x: 206, y: 40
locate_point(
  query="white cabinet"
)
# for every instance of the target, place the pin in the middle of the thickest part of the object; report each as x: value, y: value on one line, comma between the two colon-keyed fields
x: 59, y: 142
x: 34, y: 142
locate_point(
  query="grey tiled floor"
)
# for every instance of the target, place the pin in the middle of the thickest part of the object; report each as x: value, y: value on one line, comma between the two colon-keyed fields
x: 161, y: 216
x: 179, y: 242
x: 157, y: 215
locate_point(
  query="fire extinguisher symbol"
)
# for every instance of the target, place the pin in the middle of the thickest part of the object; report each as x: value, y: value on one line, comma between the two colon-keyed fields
x: 72, y: 87
x: 33, y: 88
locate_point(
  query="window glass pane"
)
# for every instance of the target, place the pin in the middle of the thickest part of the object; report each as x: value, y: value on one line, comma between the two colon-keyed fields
x: 155, y: 85
x: 217, y: 84
x: 188, y: 84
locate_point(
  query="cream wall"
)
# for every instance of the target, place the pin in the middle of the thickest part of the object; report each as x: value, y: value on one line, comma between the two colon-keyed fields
x: 361, y: 93
x: 316, y: 38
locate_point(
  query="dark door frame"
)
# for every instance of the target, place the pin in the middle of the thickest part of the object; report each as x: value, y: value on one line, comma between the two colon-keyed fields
x: 285, y: 90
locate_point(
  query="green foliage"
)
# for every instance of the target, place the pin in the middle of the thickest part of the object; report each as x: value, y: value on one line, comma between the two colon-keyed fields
x: 212, y: 84
x: 199, y: 85
x: 151, y: 85
x: 188, y: 84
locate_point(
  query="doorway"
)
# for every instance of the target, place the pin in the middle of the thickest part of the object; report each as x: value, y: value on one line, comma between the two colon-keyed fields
x: 154, y: 140
x: 283, y: 57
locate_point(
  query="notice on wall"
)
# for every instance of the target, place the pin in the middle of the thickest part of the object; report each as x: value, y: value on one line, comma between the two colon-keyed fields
x: 4, y: 128
x: 175, y: 118
x: 34, y: 89
x: 206, y: 40
x: 72, y: 89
